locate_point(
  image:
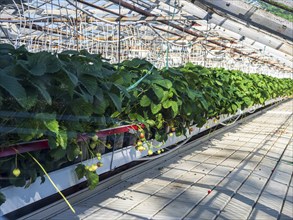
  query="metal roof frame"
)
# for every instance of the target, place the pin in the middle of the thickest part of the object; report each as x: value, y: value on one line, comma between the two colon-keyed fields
x: 57, y: 25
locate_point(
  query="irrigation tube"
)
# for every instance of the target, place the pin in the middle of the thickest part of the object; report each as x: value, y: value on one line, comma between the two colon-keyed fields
x: 239, y: 114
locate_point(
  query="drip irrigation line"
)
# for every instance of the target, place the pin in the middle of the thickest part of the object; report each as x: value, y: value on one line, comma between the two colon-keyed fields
x: 252, y: 111
x: 228, y: 124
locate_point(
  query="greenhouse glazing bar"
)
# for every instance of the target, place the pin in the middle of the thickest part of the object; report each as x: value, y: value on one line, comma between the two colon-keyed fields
x: 143, y: 12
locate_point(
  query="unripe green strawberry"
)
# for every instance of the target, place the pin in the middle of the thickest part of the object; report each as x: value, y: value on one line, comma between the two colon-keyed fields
x: 140, y: 148
x: 95, y: 138
x: 93, y: 167
x: 93, y: 145
x: 16, y: 172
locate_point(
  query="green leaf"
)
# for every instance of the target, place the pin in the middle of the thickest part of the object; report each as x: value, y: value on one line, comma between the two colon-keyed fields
x: 42, y: 89
x: 167, y: 104
x: 93, y: 179
x: 158, y: 91
x: 247, y: 101
x: 151, y: 122
x: 70, y: 75
x: 145, y: 101
x: 57, y: 153
x: 164, y: 83
x: 35, y: 65
x: 52, y: 142
x: 136, y: 117
x: 159, y: 137
x: 62, y: 139
x: 81, y: 107
x: 13, y: 87
x: 52, y: 63
x: 174, y: 106
x: 132, y: 116
x: 80, y: 171
x: 136, y: 62
x: 116, y: 100
x: 23, y: 126
x: 188, y: 109
x: 234, y: 107
x: 219, y: 83
x: 140, y: 118
x: 72, y: 152
x: 204, y: 103
x: 192, y: 94
x: 156, y: 108
x: 100, y: 103
x: 52, y: 126
x: 32, y: 99
x: 122, y: 89
x: 115, y: 114
x: 89, y: 83
x: 261, y: 100
x: 166, y: 96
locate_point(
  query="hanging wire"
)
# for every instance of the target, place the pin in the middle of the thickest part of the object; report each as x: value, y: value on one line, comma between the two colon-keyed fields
x: 20, y: 24
x: 75, y: 26
x: 119, y: 35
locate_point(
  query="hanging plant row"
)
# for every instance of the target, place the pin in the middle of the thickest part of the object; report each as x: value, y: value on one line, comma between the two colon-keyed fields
x: 61, y: 96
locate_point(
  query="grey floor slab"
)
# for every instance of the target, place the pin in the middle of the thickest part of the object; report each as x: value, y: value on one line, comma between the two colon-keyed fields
x: 243, y: 173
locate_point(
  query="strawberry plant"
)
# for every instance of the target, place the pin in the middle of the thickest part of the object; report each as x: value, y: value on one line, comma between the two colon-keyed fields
x: 67, y: 97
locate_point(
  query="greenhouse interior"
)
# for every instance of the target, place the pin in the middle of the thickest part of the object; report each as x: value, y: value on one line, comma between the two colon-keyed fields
x: 146, y: 109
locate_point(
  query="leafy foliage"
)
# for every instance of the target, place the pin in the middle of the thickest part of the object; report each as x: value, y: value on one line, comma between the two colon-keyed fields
x: 60, y: 96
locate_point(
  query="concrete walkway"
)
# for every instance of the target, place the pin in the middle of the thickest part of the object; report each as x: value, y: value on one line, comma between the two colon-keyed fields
x: 243, y: 173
